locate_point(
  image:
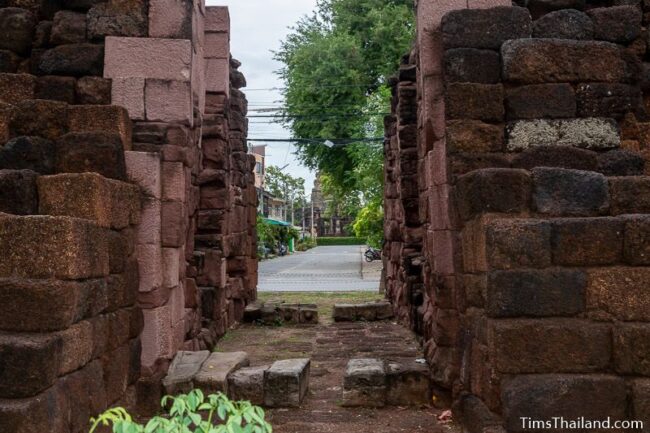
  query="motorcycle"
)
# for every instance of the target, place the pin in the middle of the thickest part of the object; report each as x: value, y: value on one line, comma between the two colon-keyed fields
x: 372, y: 254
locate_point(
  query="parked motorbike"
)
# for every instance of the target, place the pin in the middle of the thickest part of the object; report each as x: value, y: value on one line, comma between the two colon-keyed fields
x: 372, y: 254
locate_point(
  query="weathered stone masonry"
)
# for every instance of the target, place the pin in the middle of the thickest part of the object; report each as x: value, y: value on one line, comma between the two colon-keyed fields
x: 523, y: 259
x: 127, y: 200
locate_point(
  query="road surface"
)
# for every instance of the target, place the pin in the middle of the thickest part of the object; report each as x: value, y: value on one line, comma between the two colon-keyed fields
x: 320, y: 269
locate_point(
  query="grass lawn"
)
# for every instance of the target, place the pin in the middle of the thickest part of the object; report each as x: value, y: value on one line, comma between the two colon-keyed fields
x: 324, y: 300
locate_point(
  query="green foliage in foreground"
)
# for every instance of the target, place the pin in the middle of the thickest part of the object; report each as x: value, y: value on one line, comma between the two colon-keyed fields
x: 326, y: 242
x: 191, y: 413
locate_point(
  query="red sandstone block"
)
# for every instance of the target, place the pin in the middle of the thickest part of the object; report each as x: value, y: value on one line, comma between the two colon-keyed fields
x: 16, y: 87
x: 30, y: 364
x: 565, y: 346
x: 587, y: 241
x: 150, y: 228
x: 47, y: 119
x: 171, y: 266
x: 77, y: 347
x: 217, y: 76
x: 619, y: 293
x: 129, y: 93
x: 173, y: 181
x: 168, y: 101
x: 156, y: 336
x: 163, y: 59
x: 101, y: 118
x: 109, y: 203
x: 594, y: 397
x: 170, y: 19
x: 150, y: 263
x: 83, y: 394
x: 116, y: 373
x: 475, y: 101
x: 177, y: 305
x: 45, y: 247
x: 217, y: 19
x: 630, y: 194
x: 631, y: 348
x: 217, y: 45
x: 144, y: 169
x: 174, y: 224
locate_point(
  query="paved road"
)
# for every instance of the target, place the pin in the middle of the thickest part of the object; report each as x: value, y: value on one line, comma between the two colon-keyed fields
x: 319, y: 269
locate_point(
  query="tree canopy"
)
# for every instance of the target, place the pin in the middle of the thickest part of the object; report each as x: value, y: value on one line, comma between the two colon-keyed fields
x: 336, y: 65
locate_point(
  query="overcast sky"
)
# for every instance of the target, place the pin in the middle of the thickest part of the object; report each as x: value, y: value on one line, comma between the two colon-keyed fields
x: 257, y: 27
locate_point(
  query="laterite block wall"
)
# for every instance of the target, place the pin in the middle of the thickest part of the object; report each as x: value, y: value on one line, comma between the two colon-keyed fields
x: 532, y: 145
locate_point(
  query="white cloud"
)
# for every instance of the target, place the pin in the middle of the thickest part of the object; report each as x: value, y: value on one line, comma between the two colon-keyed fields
x: 257, y: 27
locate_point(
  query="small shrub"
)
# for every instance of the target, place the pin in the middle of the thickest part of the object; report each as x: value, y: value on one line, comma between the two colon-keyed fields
x: 191, y: 413
x: 326, y: 242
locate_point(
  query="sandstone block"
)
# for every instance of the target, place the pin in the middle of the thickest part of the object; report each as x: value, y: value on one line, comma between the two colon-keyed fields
x: 17, y: 29
x: 162, y: 59
x: 77, y: 347
x: 217, y: 75
x: 94, y: 91
x: 559, y: 191
x: 184, y: 367
x: 150, y: 228
x: 470, y: 65
x: 493, y: 190
x: 171, y: 261
x: 47, y: 119
x: 562, y: 60
x: 485, y: 28
x: 474, y: 136
x: 407, y: 384
x: 156, y: 336
x: 75, y: 60
x: 150, y: 263
x: 631, y: 348
x: 536, y: 293
x: 30, y: 364
x: 9, y: 62
x: 621, y: 163
x: 56, y: 88
x: 144, y: 169
x: 129, y: 93
x: 45, y: 247
x: 15, y: 88
x: 170, y: 19
x: 34, y: 415
x: 513, y: 244
x: 248, y: 384
x: 217, y: 45
x: 97, y: 152
x: 594, y: 397
x: 213, y: 376
x: 607, y: 99
x: 619, y: 292
x: 18, y: 194
x: 174, y: 224
x: 168, y: 101
x: 109, y: 203
x: 173, y: 181
x: 619, y: 24
x: 474, y: 101
x: 286, y: 383
x: 101, y: 118
x: 557, y: 156
x: 68, y: 28
x: 364, y: 383
x: 564, y: 24
x: 587, y: 241
x: 589, y: 133
x: 637, y: 240
x: 628, y: 195
x: 217, y: 19
x: 641, y: 400
x: 540, y: 100
x: 85, y: 395
x: 565, y: 346
x: 116, y: 373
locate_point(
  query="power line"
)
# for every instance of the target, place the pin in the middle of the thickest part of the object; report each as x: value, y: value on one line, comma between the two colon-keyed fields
x: 312, y: 86
x: 318, y: 140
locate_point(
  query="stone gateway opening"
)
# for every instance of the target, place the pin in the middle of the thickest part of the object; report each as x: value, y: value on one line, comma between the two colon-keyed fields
x: 516, y: 231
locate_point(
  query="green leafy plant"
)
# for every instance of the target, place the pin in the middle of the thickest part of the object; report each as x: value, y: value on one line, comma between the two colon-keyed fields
x: 191, y: 413
x: 326, y: 242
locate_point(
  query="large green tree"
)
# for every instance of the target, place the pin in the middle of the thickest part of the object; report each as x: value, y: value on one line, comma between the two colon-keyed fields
x: 336, y: 65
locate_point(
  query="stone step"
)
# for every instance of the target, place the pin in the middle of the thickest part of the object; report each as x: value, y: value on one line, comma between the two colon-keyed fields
x: 370, y: 382
x: 181, y: 372
x: 286, y: 383
x: 248, y: 384
x: 368, y: 312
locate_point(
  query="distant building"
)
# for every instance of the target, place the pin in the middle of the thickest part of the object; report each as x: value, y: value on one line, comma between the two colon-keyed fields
x: 269, y: 206
x: 331, y: 225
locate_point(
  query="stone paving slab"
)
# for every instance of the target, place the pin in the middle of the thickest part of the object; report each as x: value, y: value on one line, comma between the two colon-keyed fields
x: 182, y: 370
x: 213, y: 376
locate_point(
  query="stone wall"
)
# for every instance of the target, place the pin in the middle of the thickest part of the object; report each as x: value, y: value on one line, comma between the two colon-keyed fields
x: 108, y: 220
x: 531, y: 151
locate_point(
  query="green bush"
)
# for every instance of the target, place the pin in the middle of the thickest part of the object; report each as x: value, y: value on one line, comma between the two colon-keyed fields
x: 305, y: 244
x: 191, y: 413
x: 326, y: 242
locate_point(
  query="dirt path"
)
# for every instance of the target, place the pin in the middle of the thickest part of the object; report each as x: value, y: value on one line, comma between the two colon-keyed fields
x: 330, y: 346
